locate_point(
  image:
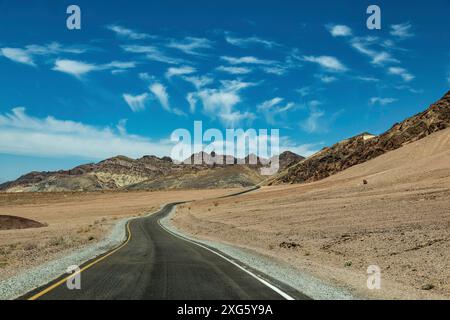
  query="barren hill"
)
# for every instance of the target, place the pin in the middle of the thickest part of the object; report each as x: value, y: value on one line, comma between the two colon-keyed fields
x: 148, y: 172
x: 335, y: 228
x: 364, y: 147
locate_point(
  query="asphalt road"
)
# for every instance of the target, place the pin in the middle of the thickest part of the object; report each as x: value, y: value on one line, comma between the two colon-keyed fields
x: 154, y: 264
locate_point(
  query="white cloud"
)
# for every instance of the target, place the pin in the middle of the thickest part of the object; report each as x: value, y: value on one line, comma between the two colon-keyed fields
x: 191, y: 45
x: 220, y: 103
x: 136, y: 103
x: 339, y: 30
x: 402, y: 30
x: 311, y: 124
x: 236, y: 85
x: 80, y: 68
x: 406, y: 76
x: 314, y: 123
x: 54, y: 48
x: 378, y: 57
x: 179, y: 71
x: 152, y: 53
x: 74, y: 68
x: 305, y: 91
x: 199, y: 81
x: 192, y: 100
x: 128, y: 33
x: 18, y: 55
x: 277, y: 70
x: 246, y: 42
x: 368, y: 79
x: 26, y: 55
x: 327, y: 62
x: 22, y: 134
x: 382, y: 101
x: 247, y: 60
x: 325, y: 78
x: 270, y: 109
x: 160, y: 93
x: 234, y: 70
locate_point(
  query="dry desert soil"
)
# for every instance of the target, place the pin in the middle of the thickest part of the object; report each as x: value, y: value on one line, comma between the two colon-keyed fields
x: 72, y: 220
x: 334, y: 229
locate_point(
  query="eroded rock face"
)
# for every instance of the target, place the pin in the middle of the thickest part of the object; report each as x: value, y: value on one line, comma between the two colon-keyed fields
x: 365, y: 147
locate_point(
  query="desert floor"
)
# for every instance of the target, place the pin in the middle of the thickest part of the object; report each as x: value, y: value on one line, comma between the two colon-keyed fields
x: 73, y: 221
x: 336, y: 228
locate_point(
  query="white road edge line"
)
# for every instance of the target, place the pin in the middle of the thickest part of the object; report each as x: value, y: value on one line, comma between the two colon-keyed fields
x: 266, y: 283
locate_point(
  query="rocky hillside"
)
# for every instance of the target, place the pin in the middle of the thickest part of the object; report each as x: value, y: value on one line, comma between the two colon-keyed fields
x: 365, y: 146
x: 148, y: 172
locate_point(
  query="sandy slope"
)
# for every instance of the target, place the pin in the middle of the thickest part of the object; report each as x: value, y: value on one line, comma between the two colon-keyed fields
x: 337, y: 227
x: 74, y: 220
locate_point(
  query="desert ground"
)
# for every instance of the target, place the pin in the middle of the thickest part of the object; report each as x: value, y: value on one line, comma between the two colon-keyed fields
x: 392, y: 211
x: 72, y: 220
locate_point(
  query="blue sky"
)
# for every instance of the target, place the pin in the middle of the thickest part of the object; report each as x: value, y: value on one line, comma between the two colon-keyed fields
x: 138, y: 70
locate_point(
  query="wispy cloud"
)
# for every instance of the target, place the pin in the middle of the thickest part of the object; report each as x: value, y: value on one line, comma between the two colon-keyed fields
x: 339, y: 30
x: 316, y: 122
x: 362, y: 45
x: 220, y: 103
x: 199, y: 81
x: 328, y: 63
x: 326, y: 78
x: 179, y: 71
x: 246, y: 42
x: 312, y: 122
x: 247, y: 60
x: 136, y: 103
x: 402, y: 30
x: 402, y: 72
x: 128, y: 33
x: 17, y: 55
x: 22, y: 134
x: 277, y: 70
x: 80, y: 68
x: 234, y: 70
x: 191, y: 45
x: 367, y: 79
x: 152, y: 53
x: 160, y: 93
x: 27, y: 54
x: 382, y: 101
x: 271, y: 109
x: 74, y: 68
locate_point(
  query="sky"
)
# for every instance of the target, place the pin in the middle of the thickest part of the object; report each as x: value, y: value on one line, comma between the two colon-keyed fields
x: 136, y: 71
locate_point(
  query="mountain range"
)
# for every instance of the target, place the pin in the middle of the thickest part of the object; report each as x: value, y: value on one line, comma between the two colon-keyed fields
x: 153, y: 173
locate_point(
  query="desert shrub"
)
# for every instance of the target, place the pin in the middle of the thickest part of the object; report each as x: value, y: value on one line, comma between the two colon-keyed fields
x: 56, y: 241
x: 30, y: 246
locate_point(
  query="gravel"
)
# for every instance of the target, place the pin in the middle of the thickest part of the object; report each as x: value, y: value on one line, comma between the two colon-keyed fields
x: 310, y: 286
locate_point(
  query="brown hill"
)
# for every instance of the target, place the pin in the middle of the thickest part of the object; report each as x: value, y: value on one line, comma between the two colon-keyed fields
x: 148, y: 172
x: 364, y: 147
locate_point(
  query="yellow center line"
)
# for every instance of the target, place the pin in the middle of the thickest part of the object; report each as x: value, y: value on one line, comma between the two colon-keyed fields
x: 57, y: 284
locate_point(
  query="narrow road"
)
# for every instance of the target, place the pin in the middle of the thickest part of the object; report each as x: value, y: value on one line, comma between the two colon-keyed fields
x: 154, y: 264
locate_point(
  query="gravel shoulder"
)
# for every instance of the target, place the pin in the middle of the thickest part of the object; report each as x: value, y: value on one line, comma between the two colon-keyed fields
x: 276, y: 269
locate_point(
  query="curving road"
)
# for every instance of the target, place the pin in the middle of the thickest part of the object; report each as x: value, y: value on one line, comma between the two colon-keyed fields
x: 155, y: 264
